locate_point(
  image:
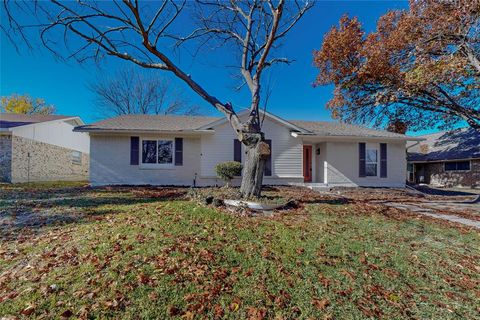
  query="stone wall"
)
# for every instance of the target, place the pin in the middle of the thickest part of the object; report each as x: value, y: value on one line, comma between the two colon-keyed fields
x: 38, y: 161
x: 5, y: 158
x: 437, y: 175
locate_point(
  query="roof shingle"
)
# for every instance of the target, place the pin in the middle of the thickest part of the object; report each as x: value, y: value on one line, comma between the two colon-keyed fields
x: 10, y: 120
x: 189, y: 123
x: 330, y: 128
x: 149, y: 123
x: 447, y: 145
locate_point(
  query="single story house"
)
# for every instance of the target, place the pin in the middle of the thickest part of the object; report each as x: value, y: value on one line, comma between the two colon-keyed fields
x: 446, y: 159
x: 42, y: 148
x: 183, y: 150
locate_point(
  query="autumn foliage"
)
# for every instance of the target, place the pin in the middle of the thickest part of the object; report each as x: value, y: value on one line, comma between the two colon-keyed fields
x: 24, y: 104
x: 420, y: 67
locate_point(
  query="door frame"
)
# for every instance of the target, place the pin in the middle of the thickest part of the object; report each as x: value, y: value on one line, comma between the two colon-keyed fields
x: 307, y: 163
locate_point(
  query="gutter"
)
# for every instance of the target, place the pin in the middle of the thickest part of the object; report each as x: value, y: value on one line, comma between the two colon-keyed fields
x: 332, y: 137
x: 415, y: 144
x: 442, y: 160
x: 137, y: 131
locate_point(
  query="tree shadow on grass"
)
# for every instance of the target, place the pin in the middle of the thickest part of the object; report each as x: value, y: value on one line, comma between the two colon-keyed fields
x: 444, y: 192
x: 35, y: 216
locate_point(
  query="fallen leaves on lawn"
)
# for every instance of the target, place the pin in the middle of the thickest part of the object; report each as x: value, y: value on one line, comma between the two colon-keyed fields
x: 196, y: 264
x: 320, y: 304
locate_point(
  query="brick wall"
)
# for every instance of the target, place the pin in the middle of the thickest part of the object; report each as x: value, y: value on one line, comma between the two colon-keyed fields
x: 439, y: 177
x: 38, y: 161
x: 5, y: 158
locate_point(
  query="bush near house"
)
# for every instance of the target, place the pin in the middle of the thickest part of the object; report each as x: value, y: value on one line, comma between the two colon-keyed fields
x: 228, y: 170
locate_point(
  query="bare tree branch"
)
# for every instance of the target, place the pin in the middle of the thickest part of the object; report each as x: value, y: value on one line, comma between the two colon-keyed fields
x: 131, y: 30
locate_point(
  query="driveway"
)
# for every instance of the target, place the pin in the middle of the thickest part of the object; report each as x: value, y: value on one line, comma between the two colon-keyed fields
x: 452, y: 205
x: 443, y: 210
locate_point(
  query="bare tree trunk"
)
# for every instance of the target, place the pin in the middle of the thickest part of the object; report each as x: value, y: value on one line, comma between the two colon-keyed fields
x: 256, y: 153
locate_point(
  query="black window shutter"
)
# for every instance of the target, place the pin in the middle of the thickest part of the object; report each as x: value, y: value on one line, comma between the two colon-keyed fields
x: 179, y: 151
x: 268, y: 162
x: 134, y: 150
x: 237, y: 150
x: 361, y: 159
x: 383, y: 160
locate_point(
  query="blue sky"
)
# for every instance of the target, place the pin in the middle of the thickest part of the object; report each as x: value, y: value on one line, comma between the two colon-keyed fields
x: 65, y: 84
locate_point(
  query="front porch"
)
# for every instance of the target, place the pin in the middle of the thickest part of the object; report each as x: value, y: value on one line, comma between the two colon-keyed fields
x: 314, y: 164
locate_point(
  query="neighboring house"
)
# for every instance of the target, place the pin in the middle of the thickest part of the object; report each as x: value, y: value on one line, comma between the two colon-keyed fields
x: 42, y: 148
x: 448, y: 159
x: 183, y: 150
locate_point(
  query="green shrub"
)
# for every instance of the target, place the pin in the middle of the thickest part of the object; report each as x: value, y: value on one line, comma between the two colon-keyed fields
x: 228, y: 170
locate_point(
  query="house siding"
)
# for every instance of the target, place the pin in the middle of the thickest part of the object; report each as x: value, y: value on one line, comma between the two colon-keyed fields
x: 286, y: 152
x: 437, y: 176
x: 38, y: 161
x: 337, y: 164
x: 59, y: 133
x: 5, y: 158
x: 342, y: 165
x: 110, y: 162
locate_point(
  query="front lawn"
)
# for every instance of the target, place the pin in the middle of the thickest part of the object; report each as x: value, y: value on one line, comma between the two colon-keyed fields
x: 151, y: 253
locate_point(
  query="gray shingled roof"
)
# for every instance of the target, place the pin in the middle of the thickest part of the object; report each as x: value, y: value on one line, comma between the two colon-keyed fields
x: 330, y: 128
x: 148, y: 123
x: 187, y: 123
x: 10, y: 120
x: 447, y: 145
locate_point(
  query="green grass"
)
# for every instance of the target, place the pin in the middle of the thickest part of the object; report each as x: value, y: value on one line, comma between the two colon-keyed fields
x: 142, y: 254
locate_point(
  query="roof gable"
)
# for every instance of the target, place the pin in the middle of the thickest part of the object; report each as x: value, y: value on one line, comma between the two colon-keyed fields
x: 283, y: 122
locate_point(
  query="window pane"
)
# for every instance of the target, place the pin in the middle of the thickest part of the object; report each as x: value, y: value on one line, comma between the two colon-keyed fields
x: 149, y: 151
x: 165, y: 151
x: 371, y: 169
x: 76, y: 157
x: 371, y: 155
x: 450, y: 166
x: 463, y: 165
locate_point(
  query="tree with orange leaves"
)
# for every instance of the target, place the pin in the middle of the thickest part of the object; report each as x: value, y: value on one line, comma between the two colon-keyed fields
x: 420, y: 67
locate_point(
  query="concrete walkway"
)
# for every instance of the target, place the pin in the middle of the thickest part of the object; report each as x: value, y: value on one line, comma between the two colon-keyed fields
x: 430, y: 213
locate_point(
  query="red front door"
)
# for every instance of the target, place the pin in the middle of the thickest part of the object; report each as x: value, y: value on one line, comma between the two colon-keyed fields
x: 307, y: 163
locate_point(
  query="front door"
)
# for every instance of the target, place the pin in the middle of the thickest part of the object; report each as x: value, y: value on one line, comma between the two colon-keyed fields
x: 307, y: 163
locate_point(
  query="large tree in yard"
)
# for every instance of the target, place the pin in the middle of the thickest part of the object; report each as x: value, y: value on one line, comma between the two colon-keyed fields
x: 420, y: 68
x: 141, y: 33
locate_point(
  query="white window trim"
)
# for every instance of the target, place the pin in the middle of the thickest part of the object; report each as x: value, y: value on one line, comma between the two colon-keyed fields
x: 469, y: 164
x: 150, y: 166
x: 375, y: 147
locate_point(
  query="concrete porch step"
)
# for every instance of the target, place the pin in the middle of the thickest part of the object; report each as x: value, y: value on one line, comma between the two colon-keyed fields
x: 315, y: 186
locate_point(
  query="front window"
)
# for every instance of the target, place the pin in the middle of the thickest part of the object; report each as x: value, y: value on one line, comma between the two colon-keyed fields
x: 157, y: 151
x: 457, y: 166
x: 371, y: 163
